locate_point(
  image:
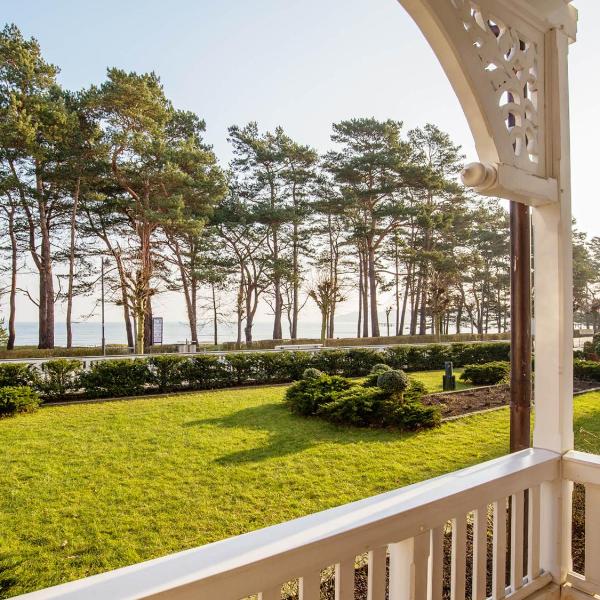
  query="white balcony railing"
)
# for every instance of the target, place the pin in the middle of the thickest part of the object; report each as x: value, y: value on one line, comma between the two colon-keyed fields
x: 582, y: 468
x: 400, y: 532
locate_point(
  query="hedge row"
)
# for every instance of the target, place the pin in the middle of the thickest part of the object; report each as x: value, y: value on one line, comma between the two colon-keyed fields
x: 587, y: 369
x: 371, y: 341
x: 62, y: 378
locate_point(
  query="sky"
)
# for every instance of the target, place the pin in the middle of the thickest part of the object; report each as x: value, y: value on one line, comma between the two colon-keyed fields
x: 302, y: 65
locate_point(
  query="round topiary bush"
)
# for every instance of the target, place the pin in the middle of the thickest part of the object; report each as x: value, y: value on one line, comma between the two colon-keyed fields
x: 376, y: 371
x: 393, y: 382
x: 311, y: 373
x: 380, y: 368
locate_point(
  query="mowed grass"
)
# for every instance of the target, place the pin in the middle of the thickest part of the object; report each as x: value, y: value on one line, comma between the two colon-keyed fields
x: 87, y: 488
x: 433, y: 380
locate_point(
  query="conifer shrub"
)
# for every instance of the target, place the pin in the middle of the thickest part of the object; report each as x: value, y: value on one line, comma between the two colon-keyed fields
x: 17, y: 399
x: 306, y: 396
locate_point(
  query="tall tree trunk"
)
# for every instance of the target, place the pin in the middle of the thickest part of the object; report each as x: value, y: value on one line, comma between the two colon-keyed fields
x: 12, y: 301
x: 397, y: 286
x: 404, y: 302
x: 215, y: 316
x: 373, y: 292
x: 148, y: 338
x: 73, y: 232
x: 189, y: 286
x: 240, y: 308
x: 249, y: 312
x: 416, y: 305
x: 277, y: 326
x: 295, y: 284
x: 360, y: 297
x: 365, y: 295
x: 46, y: 306
x: 324, y: 319
x: 423, y: 304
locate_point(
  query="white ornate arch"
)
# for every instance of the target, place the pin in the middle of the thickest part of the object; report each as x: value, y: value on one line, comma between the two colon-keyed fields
x: 499, y: 56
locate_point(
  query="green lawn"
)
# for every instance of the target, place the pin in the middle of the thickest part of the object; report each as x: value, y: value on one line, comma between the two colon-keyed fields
x: 86, y: 488
x: 433, y: 380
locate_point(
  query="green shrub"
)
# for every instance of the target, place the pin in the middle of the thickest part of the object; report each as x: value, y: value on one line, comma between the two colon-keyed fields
x: 305, y: 396
x: 166, y: 371
x: 359, y: 406
x: 376, y: 371
x: 360, y: 361
x: 243, y: 366
x: 311, y: 373
x: 114, y: 378
x: 411, y: 416
x: 586, y: 369
x: 18, y: 374
x: 486, y: 374
x: 17, y: 399
x: 371, y: 406
x: 61, y: 377
x: 415, y: 391
x: 330, y: 361
x: 205, y: 372
x: 393, y: 382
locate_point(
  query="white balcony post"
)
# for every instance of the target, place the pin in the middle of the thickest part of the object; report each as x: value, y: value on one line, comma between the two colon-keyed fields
x: 554, y: 315
x: 508, y: 63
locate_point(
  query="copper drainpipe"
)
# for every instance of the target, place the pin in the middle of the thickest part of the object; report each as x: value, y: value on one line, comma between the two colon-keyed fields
x: 520, y: 330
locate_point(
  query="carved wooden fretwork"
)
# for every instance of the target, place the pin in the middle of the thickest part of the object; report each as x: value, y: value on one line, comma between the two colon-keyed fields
x: 510, y: 59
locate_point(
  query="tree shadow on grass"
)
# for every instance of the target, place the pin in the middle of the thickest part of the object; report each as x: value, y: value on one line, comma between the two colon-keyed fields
x: 288, y: 433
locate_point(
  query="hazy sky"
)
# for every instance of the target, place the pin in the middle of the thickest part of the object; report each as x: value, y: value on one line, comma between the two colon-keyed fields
x: 302, y: 65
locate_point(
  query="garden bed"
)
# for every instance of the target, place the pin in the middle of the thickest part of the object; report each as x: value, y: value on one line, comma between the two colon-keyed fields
x: 453, y: 404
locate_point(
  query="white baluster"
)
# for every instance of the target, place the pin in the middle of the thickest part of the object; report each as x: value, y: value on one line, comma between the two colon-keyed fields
x: 421, y: 546
x: 377, y: 569
x: 499, y: 551
x: 592, y: 533
x: 516, y: 540
x: 459, y: 558
x: 480, y: 554
x: 533, y: 534
x: 309, y: 586
x: 401, y: 570
x: 344, y: 580
x: 436, y: 564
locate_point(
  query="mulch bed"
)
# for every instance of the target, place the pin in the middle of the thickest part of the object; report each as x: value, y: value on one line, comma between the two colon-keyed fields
x: 453, y: 404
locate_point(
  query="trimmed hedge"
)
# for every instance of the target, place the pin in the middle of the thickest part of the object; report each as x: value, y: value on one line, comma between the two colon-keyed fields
x: 586, y: 369
x: 487, y: 374
x: 17, y: 399
x: 60, y: 378
x: 63, y: 378
x: 114, y: 378
x: 17, y: 374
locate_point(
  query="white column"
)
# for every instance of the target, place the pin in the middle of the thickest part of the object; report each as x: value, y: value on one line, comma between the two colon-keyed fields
x: 553, y: 284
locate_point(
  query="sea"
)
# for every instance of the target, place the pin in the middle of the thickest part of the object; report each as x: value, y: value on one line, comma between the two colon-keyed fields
x: 89, y: 333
